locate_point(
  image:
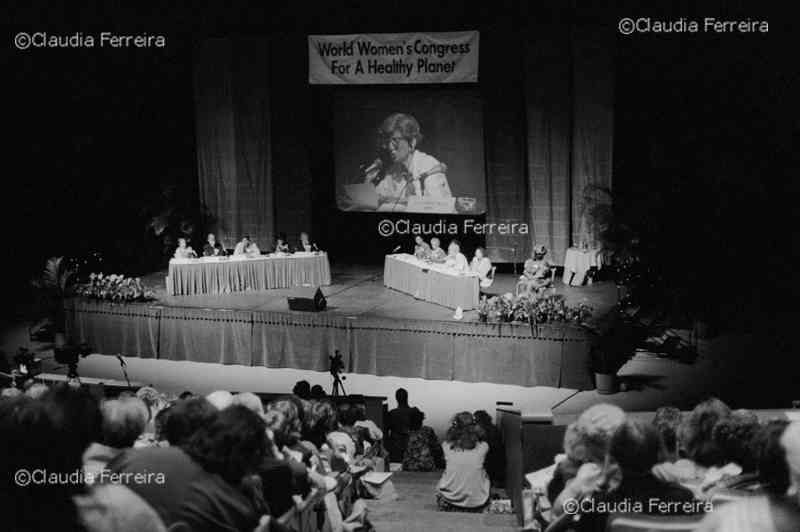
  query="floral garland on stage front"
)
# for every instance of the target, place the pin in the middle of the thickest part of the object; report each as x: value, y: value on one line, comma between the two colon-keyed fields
x: 116, y: 288
x: 533, y: 309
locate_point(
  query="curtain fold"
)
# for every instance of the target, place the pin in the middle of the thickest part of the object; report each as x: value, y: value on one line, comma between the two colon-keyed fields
x: 231, y: 84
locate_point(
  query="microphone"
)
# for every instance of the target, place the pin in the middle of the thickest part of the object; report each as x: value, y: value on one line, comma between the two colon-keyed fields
x: 121, y: 361
x: 314, y: 246
x: 395, y: 250
x: 377, y: 164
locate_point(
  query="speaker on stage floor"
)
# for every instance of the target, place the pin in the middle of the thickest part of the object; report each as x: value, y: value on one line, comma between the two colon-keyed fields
x: 307, y: 298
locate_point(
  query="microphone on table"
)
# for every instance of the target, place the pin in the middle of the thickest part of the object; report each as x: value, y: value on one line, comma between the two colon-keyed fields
x: 314, y: 247
x: 395, y: 250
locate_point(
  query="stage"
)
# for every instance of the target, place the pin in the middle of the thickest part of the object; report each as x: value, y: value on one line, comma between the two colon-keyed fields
x: 378, y: 330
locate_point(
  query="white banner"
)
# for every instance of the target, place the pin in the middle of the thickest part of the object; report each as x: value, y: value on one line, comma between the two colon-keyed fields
x: 393, y: 58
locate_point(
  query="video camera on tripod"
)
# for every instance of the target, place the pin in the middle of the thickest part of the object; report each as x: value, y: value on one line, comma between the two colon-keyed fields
x: 69, y: 355
x: 335, y: 368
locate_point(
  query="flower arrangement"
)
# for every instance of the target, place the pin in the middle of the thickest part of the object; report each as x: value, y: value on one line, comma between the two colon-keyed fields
x: 115, y: 287
x: 531, y: 309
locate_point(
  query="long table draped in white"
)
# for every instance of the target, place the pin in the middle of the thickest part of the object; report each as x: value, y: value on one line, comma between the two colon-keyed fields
x: 435, y: 283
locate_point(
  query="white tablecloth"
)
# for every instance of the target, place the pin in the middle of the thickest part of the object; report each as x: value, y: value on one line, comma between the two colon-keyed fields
x: 435, y: 283
x: 577, y: 263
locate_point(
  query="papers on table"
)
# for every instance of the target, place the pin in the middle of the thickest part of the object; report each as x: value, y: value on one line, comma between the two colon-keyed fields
x: 271, y: 256
x: 434, y: 266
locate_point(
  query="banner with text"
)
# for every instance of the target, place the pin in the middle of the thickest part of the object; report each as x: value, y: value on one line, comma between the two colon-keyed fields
x: 391, y: 58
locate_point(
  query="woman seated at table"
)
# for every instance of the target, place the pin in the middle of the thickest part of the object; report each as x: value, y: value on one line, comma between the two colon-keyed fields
x: 536, y: 276
x: 436, y: 254
x: 184, y: 251
x: 456, y: 259
x: 305, y: 243
x: 280, y: 244
x: 212, y: 248
x: 481, y: 264
x: 247, y: 248
x: 421, y: 248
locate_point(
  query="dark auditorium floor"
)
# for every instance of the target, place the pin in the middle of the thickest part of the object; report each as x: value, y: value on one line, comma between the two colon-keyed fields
x: 415, y: 510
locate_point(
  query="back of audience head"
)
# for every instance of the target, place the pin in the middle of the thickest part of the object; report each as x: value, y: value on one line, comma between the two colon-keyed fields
x: 185, y: 418
x: 734, y: 436
x: 124, y: 420
x: 221, y: 399
x: 77, y: 412
x: 287, y: 430
x: 152, y: 399
x: 36, y: 390
x: 318, y: 392
x: 463, y: 433
x: 416, y: 419
x: 588, y: 438
x: 696, y: 432
x: 667, y: 422
x: 185, y: 395
x: 635, y: 447
x: 249, y: 400
x: 29, y: 430
x: 323, y: 419
x: 232, y: 444
x: 401, y: 395
x: 302, y: 390
x: 483, y: 418
x: 773, y: 466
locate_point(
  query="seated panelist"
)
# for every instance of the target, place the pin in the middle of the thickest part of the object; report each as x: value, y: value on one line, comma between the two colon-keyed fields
x: 305, y: 243
x: 212, y: 248
x: 437, y: 254
x: 281, y: 246
x: 481, y: 264
x: 456, y: 259
x: 536, y: 275
x: 184, y: 251
x: 247, y: 248
x: 421, y: 248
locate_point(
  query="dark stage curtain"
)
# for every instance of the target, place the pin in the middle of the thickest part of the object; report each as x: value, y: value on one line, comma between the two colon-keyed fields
x: 233, y: 137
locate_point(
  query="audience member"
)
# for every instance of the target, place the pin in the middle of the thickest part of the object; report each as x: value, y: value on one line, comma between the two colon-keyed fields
x: 302, y: 390
x: 318, y: 392
x: 496, y: 459
x: 183, y: 419
x: 397, y: 425
x: 249, y: 400
x: 221, y: 399
x: 667, y: 422
x: 424, y: 451
x: 464, y: 486
x: 585, y: 441
x: 124, y: 420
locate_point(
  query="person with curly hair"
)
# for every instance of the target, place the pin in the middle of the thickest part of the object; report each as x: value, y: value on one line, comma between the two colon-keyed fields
x: 464, y: 486
x: 423, y: 452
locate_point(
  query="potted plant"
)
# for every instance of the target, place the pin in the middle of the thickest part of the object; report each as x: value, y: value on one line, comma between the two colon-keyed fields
x: 613, y: 345
x: 54, y: 285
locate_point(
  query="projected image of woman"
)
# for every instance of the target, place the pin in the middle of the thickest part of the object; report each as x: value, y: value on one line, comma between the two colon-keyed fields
x: 412, y: 172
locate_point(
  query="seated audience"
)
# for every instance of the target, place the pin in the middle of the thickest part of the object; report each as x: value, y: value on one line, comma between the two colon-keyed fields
x: 185, y: 395
x: 250, y: 401
x: 437, y: 254
x: 626, y: 477
x: 585, y: 441
x: 318, y: 392
x: 481, y: 265
x: 536, y: 275
x: 423, y: 451
x: 201, y: 482
x: 281, y: 245
x: 667, y: 422
x: 124, y: 420
x: 697, y: 444
x: 496, y: 458
x: 779, y: 509
x: 302, y: 389
x: 183, y: 419
x: 36, y: 390
x: 398, y: 424
x: 306, y: 244
x: 464, y: 486
x: 246, y: 248
x: 735, y: 437
x: 221, y: 399
x: 212, y: 248
x: 456, y: 259
x: 183, y: 250
x: 323, y: 421
x: 421, y: 248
